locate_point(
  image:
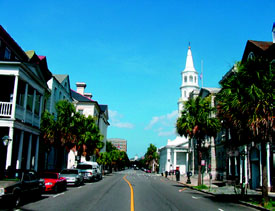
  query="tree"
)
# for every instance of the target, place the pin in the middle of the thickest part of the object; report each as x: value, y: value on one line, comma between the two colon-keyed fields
x: 246, y: 100
x: 69, y: 129
x: 151, y: 155
x: 198, y: 122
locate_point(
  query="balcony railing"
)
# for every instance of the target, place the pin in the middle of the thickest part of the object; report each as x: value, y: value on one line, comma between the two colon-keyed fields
x: 5, y: 109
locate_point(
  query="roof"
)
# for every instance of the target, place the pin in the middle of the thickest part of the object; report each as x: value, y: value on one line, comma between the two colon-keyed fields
x: 212, y: 90
x: 103, y: 107
x: 261, y: 44
x: 60, y: 77
x: 80, y: 97
x: 13, y: 44
x: 259, y: 48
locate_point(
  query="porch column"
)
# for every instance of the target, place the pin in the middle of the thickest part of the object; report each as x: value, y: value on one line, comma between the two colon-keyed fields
x: 268, y: 165
x: 20, y: 148
x: 28, y: 166
x: 25, y: 101
x: 15, y: 88
x: 9, y: 150
x: 261, y: 170
x: 33, y: 105
x: 229, y: 166
x: 245, y: 165
x: 213, y: 158
x: 41, y: 107
x: 187, y: 162
x: 175, y: 160
x: 36, y: 154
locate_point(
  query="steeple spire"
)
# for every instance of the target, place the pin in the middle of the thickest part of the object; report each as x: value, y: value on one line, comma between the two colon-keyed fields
x: 189, y: 66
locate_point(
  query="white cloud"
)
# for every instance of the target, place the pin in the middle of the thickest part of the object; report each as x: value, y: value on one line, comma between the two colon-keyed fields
x: 115, y: 120
x: 163, y: 125
x: 166, y: 120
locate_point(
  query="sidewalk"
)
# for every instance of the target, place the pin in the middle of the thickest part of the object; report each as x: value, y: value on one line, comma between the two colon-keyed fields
x: 216, y: 187
x: 219, y: 189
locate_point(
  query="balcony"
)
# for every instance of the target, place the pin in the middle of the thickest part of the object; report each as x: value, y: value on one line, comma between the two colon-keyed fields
x: 5, y: 109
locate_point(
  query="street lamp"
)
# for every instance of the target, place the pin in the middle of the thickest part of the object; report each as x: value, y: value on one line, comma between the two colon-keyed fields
x: 6, y: 140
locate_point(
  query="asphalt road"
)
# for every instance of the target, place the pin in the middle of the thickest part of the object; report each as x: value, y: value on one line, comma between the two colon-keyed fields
x: 149, y: 192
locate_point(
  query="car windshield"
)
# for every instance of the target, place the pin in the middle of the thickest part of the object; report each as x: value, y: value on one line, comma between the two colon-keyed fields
x: 49, y: 175
x: 69, y: 171
x: 84, y: 166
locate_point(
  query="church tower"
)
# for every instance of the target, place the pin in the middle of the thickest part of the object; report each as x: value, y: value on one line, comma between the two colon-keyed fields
x: 190, y: 81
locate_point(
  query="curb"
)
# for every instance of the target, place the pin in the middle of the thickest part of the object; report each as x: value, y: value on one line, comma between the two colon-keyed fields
x: 239, y: 201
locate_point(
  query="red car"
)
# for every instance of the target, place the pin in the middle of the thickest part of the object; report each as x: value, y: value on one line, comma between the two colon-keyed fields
x: 53, y: 182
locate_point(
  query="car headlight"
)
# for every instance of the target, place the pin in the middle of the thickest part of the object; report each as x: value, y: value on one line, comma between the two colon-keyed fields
x: 2, y: 191
x: 49, y: 183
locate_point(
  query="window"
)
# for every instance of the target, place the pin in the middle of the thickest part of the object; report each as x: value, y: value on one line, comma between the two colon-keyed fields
x: 272, y: 64
x: 55, y: 94
x: 250, y: 56
x: 190, y: 78
x: 30, y: 98
x: 7, y: 54
x: 80, y: 111
x: 37, y: 103
x: 184, y: 93
x: 185, y: 79
x: 195, y: 79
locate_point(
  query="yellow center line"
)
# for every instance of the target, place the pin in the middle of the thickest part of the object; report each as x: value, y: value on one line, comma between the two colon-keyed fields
x: 132, y: 193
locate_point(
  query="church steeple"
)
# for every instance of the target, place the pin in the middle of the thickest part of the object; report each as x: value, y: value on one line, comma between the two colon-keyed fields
x: 190, y: 80
x: 189, y: 66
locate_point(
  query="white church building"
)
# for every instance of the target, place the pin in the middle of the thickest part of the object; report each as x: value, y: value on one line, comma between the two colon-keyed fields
x: 175, y: 153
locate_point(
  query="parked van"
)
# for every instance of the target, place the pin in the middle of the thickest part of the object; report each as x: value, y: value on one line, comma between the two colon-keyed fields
x: 90, y: 170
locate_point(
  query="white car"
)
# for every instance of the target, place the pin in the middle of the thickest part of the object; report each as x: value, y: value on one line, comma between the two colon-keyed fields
x: 90, y: 171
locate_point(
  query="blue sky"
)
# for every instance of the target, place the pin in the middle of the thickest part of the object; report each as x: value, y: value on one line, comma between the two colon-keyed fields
x: 131, y: 53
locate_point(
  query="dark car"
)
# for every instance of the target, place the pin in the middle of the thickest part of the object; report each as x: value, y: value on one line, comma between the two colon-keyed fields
x: 18, y: 183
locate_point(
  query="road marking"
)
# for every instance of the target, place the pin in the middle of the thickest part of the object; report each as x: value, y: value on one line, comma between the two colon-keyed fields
x: 132, y: 193
x: 58, y: 195
x: 195, y: 197
x: 220, y: 209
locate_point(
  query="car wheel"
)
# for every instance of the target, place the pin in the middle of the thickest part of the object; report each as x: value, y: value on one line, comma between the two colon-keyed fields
x: 55, y: 190
x: 17, y: 199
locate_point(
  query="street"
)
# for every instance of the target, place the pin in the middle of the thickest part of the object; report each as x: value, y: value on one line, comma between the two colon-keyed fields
x: 150, y: 192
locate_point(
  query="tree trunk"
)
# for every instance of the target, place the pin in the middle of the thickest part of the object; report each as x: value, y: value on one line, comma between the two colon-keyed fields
x: 264, y: 172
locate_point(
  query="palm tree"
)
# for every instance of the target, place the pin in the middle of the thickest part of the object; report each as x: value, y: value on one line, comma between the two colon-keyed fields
x: 246, y: 101
x: 197, y: 122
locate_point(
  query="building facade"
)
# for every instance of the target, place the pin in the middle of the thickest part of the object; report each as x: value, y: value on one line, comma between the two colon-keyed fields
x: 120, y: 144
x: 88, y: 107
x: 23, y: 82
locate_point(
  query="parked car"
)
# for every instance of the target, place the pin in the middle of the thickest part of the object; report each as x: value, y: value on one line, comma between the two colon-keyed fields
x: 54, y: 182
x: 73, y: 176
x: 17, y: 184
x: 90, y: 170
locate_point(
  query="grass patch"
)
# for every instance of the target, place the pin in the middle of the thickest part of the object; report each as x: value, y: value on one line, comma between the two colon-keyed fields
x: 259, y: 202
x: 201, y: 187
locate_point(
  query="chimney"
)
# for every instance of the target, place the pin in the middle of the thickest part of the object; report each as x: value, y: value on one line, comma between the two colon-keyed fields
x: 273, y: 32
x: 80, y: 87
x: 88, y: 95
